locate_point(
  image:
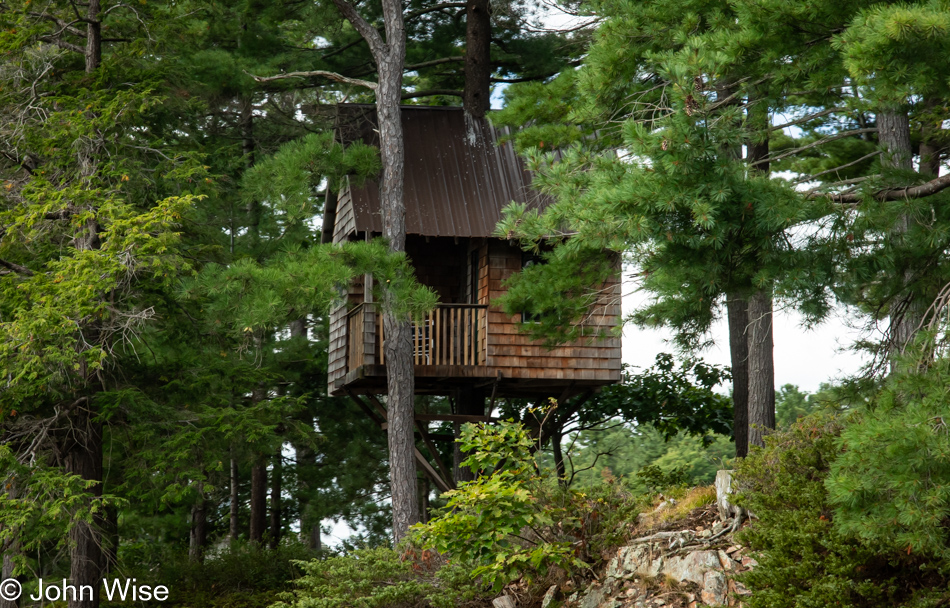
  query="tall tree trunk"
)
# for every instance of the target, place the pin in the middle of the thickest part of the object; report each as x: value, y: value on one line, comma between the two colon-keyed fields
x: 476, y: 99
x: 893, y: 128
x: 761, y: 351
x: 761, y: 369
x: 199, y: 531
x: 737, y: 308
x: 235, y: 494
x: 315, y: 544
x: 390, y: 57
x: 258, y: 500
x: 7, y: 573
x: 276, y: 480
x: 400, y: 373
x: 83, y: 445
x: 83, y: 457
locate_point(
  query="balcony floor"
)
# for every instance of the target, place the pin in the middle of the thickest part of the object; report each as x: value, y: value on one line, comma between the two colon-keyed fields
x: 444, y: 379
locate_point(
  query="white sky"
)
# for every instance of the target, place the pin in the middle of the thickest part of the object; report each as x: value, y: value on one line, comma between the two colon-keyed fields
x: 802, y: 357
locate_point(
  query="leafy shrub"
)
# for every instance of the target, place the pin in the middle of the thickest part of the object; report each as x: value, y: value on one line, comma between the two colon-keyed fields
x: 890, y: 486
x: 380, y: 578
x: 244, y: 576
x: 656, y: 479
x: 804, y: 559
x: 515, y: 522
x: 504, y: 522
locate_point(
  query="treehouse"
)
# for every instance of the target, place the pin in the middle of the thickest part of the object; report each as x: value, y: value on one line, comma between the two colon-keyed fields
x: 457, y: 181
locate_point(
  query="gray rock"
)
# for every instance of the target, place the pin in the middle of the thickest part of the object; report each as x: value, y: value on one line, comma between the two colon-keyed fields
x: 504, y: 601
x: 549, y: 597
x: 592, y: 598
x: 692, y: 566
x: 714, y: 588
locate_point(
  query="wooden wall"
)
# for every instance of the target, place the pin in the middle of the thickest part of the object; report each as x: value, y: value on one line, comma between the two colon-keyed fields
x: 345, y: 224
x: 516, y: 356
x: 444, y: 265
x: 336, y: 364
x: 336, y: 357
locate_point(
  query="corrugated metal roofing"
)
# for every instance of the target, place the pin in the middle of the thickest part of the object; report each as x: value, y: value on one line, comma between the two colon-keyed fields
x: 457, y: 177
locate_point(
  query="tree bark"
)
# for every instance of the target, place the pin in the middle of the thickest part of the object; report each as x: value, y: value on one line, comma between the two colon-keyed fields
x: 234, y: 527
x: 83, y: 457
x: 761, y: 369
x: 275, y: 511
x: 7, y: 573
x: 390, y: 57
x: 315, y: 544
x: 737, y: 308
x: 761, y: 351
x: 258, y: 500
x: 476, y: 99
x: 199, y: 531
x: 906, y: 310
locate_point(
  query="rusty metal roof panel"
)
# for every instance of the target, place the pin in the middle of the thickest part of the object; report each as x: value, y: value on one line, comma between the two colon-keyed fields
x: 457, y: 177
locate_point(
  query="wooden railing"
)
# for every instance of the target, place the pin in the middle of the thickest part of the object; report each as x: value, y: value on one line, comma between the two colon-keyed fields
x: 452, y: 334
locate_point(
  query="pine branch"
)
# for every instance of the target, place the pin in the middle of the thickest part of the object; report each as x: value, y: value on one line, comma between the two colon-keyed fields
x: 316, y: 73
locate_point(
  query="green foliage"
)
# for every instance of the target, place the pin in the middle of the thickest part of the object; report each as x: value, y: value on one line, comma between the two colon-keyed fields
x: 379, y: 578
x: 672, y: 398
x: 656, y: 479
x: 890, y: 486
x: 804, y: 558
x: 503, y: 523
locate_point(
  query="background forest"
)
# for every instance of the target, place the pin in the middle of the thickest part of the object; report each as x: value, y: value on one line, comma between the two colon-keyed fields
x: 163, y: 290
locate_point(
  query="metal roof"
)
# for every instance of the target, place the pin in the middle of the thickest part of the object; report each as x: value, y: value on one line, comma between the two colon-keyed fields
x: 457, y: 177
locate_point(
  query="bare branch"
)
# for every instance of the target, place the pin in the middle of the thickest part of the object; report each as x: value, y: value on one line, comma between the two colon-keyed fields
x: 316, y: 73
x: 64, y: 45
x: 430, y: 92
x: 432, y: 9
x: 808, y: 118
x: 16, y: 268
x: 894, y: 194
x: 809, y: 178
x: 823, y: 140
x: 426, y: 64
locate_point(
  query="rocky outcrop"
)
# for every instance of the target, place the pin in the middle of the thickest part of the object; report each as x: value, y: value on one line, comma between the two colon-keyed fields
x: 685, y: 568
